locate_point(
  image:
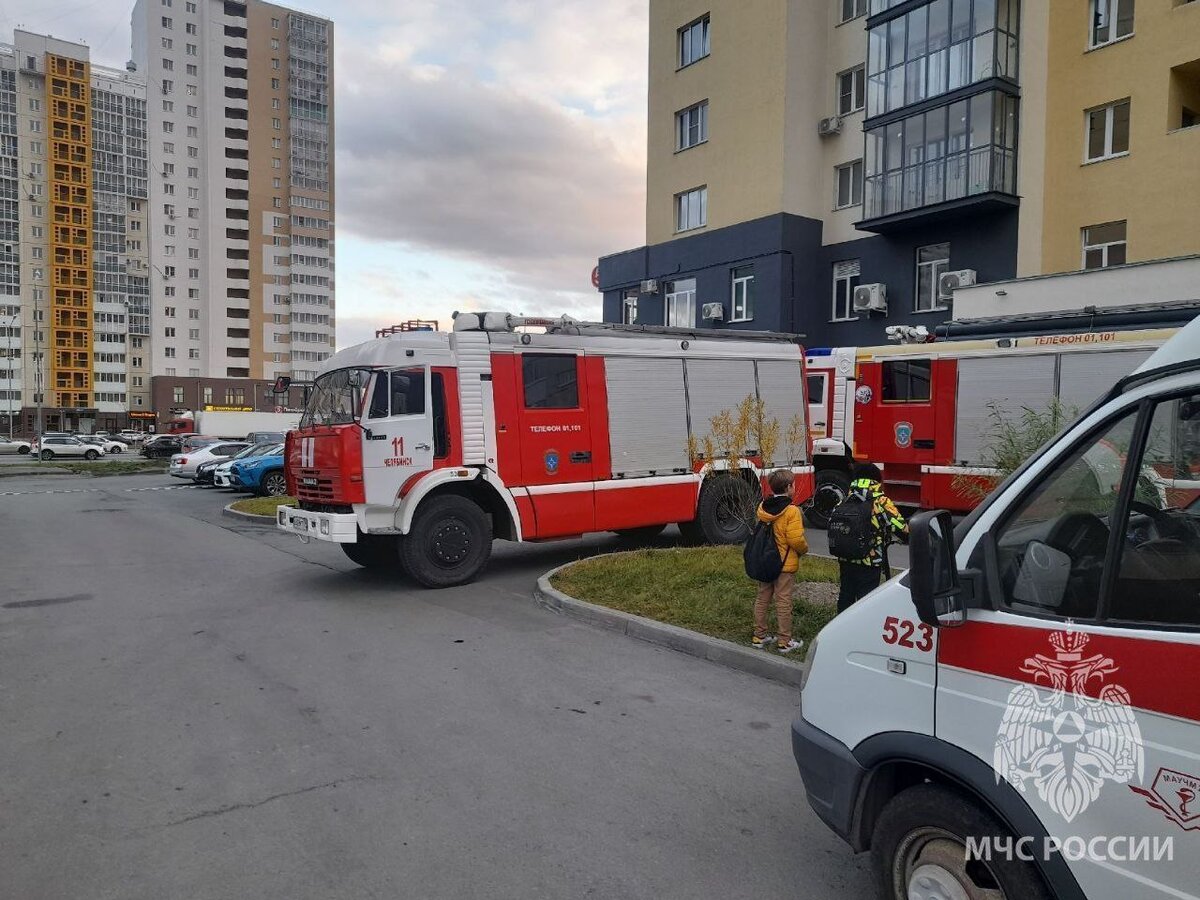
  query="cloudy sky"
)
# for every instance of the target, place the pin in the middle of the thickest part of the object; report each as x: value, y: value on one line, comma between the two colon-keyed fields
x: 488, y: 151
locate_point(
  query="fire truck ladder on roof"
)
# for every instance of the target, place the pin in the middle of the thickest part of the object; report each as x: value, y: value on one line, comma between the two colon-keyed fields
x: 410, y: 325
x: 501, y: 321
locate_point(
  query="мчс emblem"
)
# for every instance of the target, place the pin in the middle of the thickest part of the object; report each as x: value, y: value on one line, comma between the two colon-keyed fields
x: 1176, y: 795
x: 1064, y: 732
x: 904, y: 432
x: 552, y: 460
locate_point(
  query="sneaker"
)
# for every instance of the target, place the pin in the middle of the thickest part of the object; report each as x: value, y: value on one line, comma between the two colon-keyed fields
x: 790, y: 646
x: 761, y: 642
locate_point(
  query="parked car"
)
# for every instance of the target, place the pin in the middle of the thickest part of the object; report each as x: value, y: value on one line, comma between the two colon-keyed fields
x: 132, y: 437
x: 261, y: 474
x: 185, y: 463
x: 217, y: 471
x: 54, y: 446
x: 109, y: 444
x: 265, y: 437
x: 196, y: 441
x: 165, y: 445
x: 21, y: 447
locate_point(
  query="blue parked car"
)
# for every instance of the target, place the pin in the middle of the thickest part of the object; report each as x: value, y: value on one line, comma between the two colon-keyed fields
x: 261, y: 474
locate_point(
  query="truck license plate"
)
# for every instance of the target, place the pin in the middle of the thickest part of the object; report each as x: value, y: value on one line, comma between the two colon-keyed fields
x: 308, y: 482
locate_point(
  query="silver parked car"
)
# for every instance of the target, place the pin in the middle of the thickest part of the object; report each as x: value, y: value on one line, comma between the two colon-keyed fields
x: 53, y: 447
x: 14, y: 446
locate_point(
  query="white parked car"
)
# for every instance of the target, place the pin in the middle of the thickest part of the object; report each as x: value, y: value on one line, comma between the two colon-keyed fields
x: 110, y: 445
x: 11, y: 446
x: 54, y: 447
x: 183, y: 465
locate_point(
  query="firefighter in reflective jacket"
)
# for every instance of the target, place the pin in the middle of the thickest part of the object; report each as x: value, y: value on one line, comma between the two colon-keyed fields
x: 861, y: 576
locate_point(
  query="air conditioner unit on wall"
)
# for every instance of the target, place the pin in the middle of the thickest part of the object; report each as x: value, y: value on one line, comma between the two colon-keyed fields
x: 650, y: 286
x: 714, y: 311
x: 831, y: 125
x: 949, y: 281
x: 870, y: 298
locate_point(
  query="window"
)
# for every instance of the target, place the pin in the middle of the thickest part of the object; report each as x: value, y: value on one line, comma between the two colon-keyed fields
x: 193, y: 294
x: 1158, y: 576
x: 176, y: 395
x: 814, y: 388
x: 276, y: 143
x: 1107, y: 131
x: 193, y: 131
x: 169, y: 312
x: 191, y: 49
x: 1104, y: 245
x: 275, y: 63
x: 551, y: 380
x: 680, y: 303
x: 693, y: 42
x: 168, y: 147
x: 849, y: 184
x: 167, y: 43
x: 168, y: 65
x: 274, y: 84
x: 274, y: 43
x: 275, y: 103
x: 851, y: 90
x: 852, y: 9
x: 275, y: 23
x: 190, y: 6
x: 691, y: 126
x: 906, y: 380
x: 741, y: 301
x: 1050, y: 550
x: 1111, y: 20
x: 35, y: 105
x: 845, y: 280
x: 169, y: 332
x: 190, y: 27
x: 932, y: 261
x: 691, y: 209
x: 193, y: 354
x: 166, y: 22
x: 168, y: 127
x: 629, y: 306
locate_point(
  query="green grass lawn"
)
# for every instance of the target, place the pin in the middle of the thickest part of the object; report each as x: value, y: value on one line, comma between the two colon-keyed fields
x: 704, y: 589
x: 112, y: 466
x: 263, y: 506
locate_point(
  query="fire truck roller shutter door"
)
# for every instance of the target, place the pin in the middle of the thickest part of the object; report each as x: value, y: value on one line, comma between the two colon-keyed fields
x: 647, y: 416
x: 1083, y: 377
x: 714, y: 385
x: 782, y: 388
x: 1010, y: 383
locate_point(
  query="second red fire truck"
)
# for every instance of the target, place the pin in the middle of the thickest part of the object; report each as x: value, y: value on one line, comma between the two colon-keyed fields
x: 924, y: 411
x: 417, y: 449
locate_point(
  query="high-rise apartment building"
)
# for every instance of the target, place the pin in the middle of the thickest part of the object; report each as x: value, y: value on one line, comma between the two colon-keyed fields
x: 805, y: 152
x: 73, y: 283
x: 240, y: 119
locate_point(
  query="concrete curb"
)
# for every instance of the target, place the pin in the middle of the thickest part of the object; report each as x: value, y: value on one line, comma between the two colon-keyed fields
x: 228, y: 510
x: 762, y: 663
x: 32, y: 470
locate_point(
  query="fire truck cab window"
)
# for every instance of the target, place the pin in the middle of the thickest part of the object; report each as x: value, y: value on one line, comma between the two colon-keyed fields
x: 399, y: 393
x: 816, y: 388
x: 906, y: 380
x: 379, y: 398
x: 551, y: 381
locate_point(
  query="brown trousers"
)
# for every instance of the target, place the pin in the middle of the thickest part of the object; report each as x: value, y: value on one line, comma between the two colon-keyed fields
x: 781, y: 590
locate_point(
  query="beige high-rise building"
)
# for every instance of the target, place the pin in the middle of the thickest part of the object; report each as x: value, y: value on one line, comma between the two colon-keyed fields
x: 74, y: 314
x: 240, y: 120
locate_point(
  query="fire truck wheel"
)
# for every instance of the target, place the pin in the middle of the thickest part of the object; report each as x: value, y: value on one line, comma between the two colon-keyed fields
x: 640, y: 535
x: 919, y: 849
x: 831, y: 489
x: 373, y: 551
x: 725, y: 511
x: 449, y: 542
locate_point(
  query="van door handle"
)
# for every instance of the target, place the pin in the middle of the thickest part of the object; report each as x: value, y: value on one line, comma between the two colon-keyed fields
x: 421, y: 446
x: 581, y: 456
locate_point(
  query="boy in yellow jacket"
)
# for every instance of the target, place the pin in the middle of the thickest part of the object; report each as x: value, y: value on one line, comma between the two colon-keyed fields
x: 785, y: 520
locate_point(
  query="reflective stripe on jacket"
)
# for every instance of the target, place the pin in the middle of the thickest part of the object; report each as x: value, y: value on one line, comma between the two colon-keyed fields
x: 887, y: 519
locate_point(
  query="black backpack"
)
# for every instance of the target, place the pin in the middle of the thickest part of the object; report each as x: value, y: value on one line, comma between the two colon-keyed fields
x: 761, y: 555
x: 852, y: 527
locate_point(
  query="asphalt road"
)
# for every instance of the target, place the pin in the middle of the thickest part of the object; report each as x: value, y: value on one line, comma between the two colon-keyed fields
x: 193, y: 707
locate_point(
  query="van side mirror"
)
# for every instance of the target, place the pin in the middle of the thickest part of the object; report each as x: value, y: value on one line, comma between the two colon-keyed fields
x: 933, y: 573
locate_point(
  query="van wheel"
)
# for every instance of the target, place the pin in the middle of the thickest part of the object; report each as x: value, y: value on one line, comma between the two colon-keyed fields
x: 373, y: 551
x: 47, y: 454
x: 449, y: 542
x: 831, y: 488
x: 642, y: 535
x: 274, y: 484
x: 91, y: 455
x: 22, y: 450
x: 919, y: 849
x: 725, y: 512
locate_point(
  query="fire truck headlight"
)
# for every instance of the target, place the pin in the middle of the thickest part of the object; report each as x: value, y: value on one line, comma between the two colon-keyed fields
x: 282, y: 516
x: 325, y: 526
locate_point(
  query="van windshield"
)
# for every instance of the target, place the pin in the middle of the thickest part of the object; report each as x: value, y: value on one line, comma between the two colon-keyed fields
x: 336, y: 398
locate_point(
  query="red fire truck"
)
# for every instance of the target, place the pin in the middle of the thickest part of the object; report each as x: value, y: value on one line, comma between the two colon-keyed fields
x: 922, y: 411
x: 419, y: 448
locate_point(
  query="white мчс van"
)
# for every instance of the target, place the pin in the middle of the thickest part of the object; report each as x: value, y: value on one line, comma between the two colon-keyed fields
x: 1017, y: 716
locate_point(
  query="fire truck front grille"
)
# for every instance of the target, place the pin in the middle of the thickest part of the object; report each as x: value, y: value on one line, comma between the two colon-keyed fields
x: 314, y: 486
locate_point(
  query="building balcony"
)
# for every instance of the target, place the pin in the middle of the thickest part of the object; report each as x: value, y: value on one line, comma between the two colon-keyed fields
x: 941, y: 162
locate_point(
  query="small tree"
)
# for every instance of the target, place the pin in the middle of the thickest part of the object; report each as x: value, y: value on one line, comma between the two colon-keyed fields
x: 1010, y: 440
